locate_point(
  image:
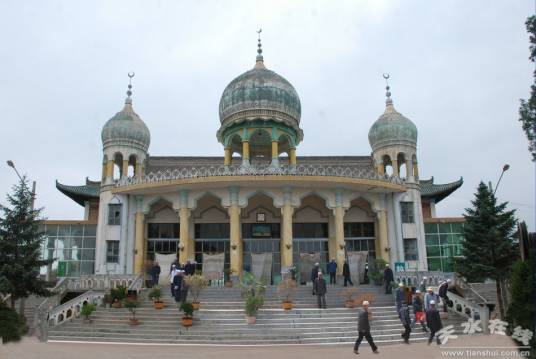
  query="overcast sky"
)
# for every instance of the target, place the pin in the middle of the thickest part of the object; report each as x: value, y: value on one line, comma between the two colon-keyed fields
x: 458, y: 70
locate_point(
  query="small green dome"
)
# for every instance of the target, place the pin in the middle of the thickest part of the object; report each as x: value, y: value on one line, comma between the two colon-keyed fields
x: 392, y: 128
x: 126, y: 128
x: 260, y: 93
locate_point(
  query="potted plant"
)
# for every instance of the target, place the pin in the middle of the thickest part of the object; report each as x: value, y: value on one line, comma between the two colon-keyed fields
x: 348, y: 293
x: 107, y: 300
x: 188, y: 318
x: 228, y: 281
x: 86, y: 311
x: 155, y: 294
x: 118, y: 294
x: 286, y: 289
x: 131, y: 305
x: 196, y: 283
x: 252, y: 305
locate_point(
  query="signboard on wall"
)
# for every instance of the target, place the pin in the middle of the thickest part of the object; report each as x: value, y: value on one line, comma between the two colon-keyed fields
x: 261, y: 230
x: 62, y: 268
x: 400, y: 266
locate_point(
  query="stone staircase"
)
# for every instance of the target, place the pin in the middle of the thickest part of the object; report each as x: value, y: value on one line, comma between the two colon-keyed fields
x: 221, y: 321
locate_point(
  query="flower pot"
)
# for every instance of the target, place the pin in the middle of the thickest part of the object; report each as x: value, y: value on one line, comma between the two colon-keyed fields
x: 187, y: 321
x: 196, y: 305
x: 229, y: 284
x: 251, y: 320
x: 158, y: 304
x: 116, y: 304
x: 133, y: 321
x: 443, y: 315
x: 287, y: 305
x: 349, y: 304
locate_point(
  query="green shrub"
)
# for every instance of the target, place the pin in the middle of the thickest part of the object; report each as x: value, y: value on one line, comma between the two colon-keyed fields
x: 188, y: 309
x: 252, y: 305
x: 87, y: 309
x: 119, y: 293
x: 155, y: 294
x: 12, y: 325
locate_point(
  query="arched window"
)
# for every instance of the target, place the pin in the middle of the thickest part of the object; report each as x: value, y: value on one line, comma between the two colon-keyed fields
x: 132, y: 163
x: 402, y: 168
x: 387, y: 165
x: 118, y: 163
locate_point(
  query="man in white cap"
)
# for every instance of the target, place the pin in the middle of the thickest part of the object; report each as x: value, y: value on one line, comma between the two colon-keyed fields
x: 363, y: 328
x: 430, y: 296
x: 422, y: 286
x: 442, y: 291
x: 320, y: 290
x: 418, y: 309
x: 433, y: 320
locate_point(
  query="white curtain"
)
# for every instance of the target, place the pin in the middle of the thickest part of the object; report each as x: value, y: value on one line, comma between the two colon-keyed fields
x: 261, y: 267
x: 164, y: 260
x: 357, y: 262
x: 213, y: 265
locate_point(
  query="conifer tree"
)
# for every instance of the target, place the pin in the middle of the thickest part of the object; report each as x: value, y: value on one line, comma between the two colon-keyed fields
x: 527, y: 109
x: 488, y: 249
x: 20, y: 245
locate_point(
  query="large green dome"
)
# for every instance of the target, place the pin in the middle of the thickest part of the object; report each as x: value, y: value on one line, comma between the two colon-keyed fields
x: 260, y: 94
x: 126, y: 128
x: 392, y: 128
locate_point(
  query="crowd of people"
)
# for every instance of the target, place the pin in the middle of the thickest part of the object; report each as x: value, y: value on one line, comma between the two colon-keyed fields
x: 177, y: 274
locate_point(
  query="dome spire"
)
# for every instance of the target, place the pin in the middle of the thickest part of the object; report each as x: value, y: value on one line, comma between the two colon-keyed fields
x: 259, y: 64
x: 128, y: 100
x: 388, y: 101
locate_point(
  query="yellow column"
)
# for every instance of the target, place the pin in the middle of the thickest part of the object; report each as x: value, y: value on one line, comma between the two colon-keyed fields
x: 381, y: 169
x: 227, y: 157
x: 110, y: 169
x: 286, y: 241
x: 235, y: 233
x: 415, y: 170
x: 104, y: 171
x: 137, y: 169
x: 185, y: 242
x: 139, y: 253
x: 124, y: 172
x: 383, y: 242
x: 275, y: 150
x: 339, y: 237
x: 292, y: 156
x: 408, y: 169
x: 395, y: 167
x: 245, y: 151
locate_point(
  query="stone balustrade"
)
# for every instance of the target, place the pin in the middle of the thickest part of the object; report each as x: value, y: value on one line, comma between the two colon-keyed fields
x: 414, y: 278
x: 106, y: 281
x: 71, y: 309
x: 259, y: 170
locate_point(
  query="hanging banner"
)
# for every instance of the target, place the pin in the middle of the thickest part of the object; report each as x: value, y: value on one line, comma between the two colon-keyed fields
x: 261, y: 267
x: 307, y: 262
x: 357, y: 262
x: 213, y: 265
x: 62, y: 268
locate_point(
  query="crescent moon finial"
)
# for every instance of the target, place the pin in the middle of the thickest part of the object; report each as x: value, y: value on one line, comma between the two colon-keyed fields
x: 386, y: 76
x: 130, y: 76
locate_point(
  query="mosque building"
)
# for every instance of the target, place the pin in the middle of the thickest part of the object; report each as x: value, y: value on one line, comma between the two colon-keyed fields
x: 259, y: 197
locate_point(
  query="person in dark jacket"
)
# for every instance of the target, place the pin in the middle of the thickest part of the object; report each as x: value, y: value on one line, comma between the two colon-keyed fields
x: 400, y: 296
x: 184, y: 288
x: 422, y: 286
x: 346, y: 273
x: 320, y: 290
x: 388, y: 277
x: 314, y: 275
x: 363, y: 329
x: 155, y: 273
x: 418, y: 309
x: 433, y: 321
x: 406, y: 322
x: 443, y: 293
x: 177, y: 286
x: 332, y: 270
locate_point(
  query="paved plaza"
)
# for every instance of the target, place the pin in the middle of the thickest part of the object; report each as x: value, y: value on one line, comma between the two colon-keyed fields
x: 30, y: 348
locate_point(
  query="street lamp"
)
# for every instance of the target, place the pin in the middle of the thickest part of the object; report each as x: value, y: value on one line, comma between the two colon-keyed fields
x: 12, y: 165
x: 505, y: 168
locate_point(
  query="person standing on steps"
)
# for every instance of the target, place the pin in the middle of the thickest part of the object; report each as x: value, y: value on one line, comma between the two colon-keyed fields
x: 399, y: 296
x: 418, y: 309
x: 388, y: 277
x: 155, y: 273
x: 320, y: 290
x: 346, y: 273
x: 363, y: 328
x: 177, y: 286
x: 433, y: 320
x: 332, y: 270
x: 442, y: 292
x: 406, y: 322
x: 314, y: 275
x: 172, y: 275
x: 184, y: 288
x: 422, y: 286
x: 430, y: 296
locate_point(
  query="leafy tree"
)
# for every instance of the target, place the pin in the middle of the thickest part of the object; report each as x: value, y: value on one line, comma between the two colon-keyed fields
x: 20, y: 243
x: 527, y: 110
x: 488, y: 249
x: 12, y: 325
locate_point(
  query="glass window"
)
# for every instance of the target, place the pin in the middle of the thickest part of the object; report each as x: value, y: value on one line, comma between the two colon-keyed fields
x: 114, y: 214
x: 88, y: 254
x: 64, y: 230
x: 410, y: 249
x: 430, y: 228
x: 407, y: 212
x: 73, y: 269
x: 89, y: 242
x: 432, y: 251
x: 432, y: 239
x: 457, y: 227
x: 212, y: 230
x: 76, y: 230
x: 90, y: 230
x: 112, y: 251
x: 444, y: 227
x: 434, y: 264
x: 52, y: 230
x: 310, y: 230
x: 368, y: 229
x: 87, y: 267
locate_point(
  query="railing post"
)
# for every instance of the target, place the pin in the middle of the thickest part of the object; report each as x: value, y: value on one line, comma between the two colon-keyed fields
x: 484, y: 318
